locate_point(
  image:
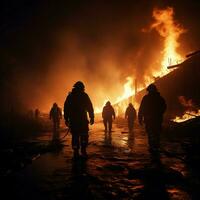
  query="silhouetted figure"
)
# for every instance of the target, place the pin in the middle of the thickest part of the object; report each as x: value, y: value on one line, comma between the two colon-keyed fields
x: 37, y: 113
x: 76, y: 107
x: 108, y: 114
x: 55, y: 115
x: 108, y: 138
x: 130, y: 115
x: 151, y: 113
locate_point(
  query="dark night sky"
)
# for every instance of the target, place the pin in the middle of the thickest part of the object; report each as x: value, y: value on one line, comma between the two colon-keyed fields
x: 46, y: 45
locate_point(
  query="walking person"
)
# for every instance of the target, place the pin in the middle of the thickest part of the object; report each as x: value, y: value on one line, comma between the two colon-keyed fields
x: 150, y: 113
x: 130, y: 115
x: 55, y: 115
x: 108, y: 114
x: 76, y: 107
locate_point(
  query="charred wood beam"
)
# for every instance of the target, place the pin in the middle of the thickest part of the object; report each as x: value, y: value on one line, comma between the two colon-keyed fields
x: 192, y: 54
x: 173, y: 66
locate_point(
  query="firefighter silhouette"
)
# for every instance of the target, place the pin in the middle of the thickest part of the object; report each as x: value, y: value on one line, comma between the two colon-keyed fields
x: 150, y: 113
x: 76, y: 107
x: 108, y: 114
x: 55, y: 115
x: 130, y: 115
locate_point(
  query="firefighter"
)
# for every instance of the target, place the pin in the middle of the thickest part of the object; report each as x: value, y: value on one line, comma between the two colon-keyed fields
x: 55, y: 115
x: 108, y: 114
x: 130, y: 115
x: 76, y: 107
x: 151, y: 112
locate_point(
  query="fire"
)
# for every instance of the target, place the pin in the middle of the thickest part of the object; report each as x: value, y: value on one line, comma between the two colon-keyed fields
x: 170, y: 31
x: 99, y: 109
x: 186, y: 116
x: 167, y: 28
x: 128, y: 92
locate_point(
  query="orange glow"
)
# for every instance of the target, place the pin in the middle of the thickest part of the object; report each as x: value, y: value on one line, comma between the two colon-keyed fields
x: 99, y: 109
x: 186, y: 116
x: 106, y: 84
x: 170, y: 31
x: 191, y: 110
x: 128, y: 92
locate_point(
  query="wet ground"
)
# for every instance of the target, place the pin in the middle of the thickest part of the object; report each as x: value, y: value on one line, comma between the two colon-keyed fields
x: 119, y: 167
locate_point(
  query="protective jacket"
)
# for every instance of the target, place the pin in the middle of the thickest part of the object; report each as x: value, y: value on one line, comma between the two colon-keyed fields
x: 76, y: 107
x: 152, y: 108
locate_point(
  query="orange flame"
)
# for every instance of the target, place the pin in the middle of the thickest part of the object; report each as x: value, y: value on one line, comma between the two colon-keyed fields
x: 99, y: 109
x: 170, y: 31
x: 128, y: 92
x: 186, y: 116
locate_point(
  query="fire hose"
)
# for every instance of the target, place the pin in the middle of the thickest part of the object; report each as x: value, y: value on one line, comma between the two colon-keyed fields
x: 65, y: 134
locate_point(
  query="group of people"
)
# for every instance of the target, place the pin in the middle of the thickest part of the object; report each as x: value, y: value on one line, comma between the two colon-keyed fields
x: 108, y: 115
x: 78, y: 107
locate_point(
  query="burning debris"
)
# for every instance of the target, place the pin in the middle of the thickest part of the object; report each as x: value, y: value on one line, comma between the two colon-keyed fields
x: 191, y: 111
x: 171, y: 31
x: 187, y: 116
x: 101, y: 44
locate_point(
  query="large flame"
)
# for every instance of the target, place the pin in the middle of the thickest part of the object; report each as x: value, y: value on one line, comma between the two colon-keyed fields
x: 170, y: 31
x: 128, y: 90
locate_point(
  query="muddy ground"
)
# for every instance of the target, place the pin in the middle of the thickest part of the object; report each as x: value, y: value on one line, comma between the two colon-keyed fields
x: 119, y: 167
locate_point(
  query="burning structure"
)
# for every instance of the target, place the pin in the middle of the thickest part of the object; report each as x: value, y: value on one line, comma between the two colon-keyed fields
x: 180, y: 87
x: 109, y: 59
x: 178, y: 83
x: 170, y: 31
